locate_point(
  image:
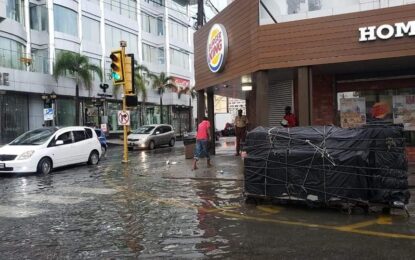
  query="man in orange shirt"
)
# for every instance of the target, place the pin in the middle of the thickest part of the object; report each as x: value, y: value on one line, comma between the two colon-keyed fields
x: 202, y: 138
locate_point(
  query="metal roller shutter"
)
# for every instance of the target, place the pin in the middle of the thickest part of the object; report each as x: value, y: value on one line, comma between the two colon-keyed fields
x: 280, y: 95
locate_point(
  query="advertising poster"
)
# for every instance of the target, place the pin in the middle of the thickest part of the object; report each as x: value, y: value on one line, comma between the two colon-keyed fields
x: 404, y: 111
x: 352, y: 112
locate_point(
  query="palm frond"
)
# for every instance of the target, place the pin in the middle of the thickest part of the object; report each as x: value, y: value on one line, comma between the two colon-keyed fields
x: 77, y: 64
x: 96, y: 69
x: 84, y: 75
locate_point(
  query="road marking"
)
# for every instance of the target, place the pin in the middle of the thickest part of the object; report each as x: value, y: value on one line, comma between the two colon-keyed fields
x: 381, y: 220
x: 270, y: 209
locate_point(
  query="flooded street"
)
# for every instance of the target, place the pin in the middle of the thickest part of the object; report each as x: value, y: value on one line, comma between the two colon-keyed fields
x: 156, y: 207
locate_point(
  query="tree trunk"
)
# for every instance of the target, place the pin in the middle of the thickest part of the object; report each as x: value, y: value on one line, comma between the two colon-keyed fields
x: 77, y: 105
x: 161, y: 109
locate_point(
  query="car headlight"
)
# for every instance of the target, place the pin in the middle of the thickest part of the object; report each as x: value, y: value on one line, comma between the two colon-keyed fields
x: 26, y: 155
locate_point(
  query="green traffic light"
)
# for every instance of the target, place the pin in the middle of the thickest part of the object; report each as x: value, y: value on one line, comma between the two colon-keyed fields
x: 116, y: 76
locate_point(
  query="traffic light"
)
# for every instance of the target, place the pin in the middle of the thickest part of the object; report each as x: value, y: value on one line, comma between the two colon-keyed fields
x: 128, y: 73
x: 117, y: 67
x: 131, y: 99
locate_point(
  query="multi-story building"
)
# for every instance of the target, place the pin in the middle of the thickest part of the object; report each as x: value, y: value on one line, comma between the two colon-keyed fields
x: 34, y: 32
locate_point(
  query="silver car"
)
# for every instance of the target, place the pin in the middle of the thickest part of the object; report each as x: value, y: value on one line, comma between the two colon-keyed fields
x: 150, y: 136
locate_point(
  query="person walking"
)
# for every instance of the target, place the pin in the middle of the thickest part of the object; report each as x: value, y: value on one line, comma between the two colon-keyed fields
x: 203, y: 136
x: 290, y: 120
x: 241, y: 123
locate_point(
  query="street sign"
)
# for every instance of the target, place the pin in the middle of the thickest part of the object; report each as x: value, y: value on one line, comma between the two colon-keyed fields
x: 103, y: 95
x: 48, y: 114
x: 123, y: 118
x: 104, y: 128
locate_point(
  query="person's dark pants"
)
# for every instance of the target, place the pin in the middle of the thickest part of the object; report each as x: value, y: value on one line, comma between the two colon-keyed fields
x: 240, y: 133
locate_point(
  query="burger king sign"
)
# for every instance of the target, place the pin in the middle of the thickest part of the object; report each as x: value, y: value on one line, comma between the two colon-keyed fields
x: 217, y: 48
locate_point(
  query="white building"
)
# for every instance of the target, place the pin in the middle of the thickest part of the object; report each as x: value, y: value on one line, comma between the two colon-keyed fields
x: 34, y: 32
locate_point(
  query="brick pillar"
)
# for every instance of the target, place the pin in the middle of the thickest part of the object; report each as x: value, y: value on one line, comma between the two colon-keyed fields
x: 211, y: 116
x: 304, y: 92
x: 258, y: 111
x: 201, y: 106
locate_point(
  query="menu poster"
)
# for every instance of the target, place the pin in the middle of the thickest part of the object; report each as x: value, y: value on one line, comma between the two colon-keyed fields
x: 404, y: 111
x: 352, y: 112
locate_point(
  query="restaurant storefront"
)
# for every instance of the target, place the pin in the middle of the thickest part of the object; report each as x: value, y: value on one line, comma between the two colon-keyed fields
x: 335, y: 62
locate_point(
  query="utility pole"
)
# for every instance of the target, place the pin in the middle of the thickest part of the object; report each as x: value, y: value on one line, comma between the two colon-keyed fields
x: 200, y: 13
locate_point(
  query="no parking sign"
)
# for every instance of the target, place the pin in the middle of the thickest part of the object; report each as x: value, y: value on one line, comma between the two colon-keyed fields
x: 123, y: 117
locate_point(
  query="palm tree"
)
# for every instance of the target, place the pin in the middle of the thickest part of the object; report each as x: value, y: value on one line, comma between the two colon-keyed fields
x: 141, y: 73
x: 79, y: 66
x: 160, y: 84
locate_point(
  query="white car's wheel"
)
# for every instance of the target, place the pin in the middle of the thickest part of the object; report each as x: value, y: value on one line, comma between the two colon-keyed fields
x: 93, y: 158
x: 44, y: 166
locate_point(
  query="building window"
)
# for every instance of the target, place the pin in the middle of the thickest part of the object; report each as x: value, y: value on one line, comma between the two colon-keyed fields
x: 96, y: 62
x: 155, y: 2
x: 178, y: 5
x: 178, y: 31
x: 94, y: 1
x: 127, y: 8
x: 379, y: 107
x: 114, y: 35
x: 40, y: 60
x: 15, y: 10
x: 38, y: 17
x: 152, y: 24
x: 153, y: 54
x: 10, y: 54
x: 90, y: 30
x: 66, y: 20
x: 179, y: 59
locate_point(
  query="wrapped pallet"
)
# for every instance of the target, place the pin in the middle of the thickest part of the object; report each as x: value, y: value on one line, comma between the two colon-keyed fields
x: 327, y: 164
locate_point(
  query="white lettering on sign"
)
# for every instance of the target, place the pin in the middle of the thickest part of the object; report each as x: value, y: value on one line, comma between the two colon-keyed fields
x: 387, y: 31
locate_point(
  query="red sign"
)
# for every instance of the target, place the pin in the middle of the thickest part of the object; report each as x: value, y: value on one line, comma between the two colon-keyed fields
x: 181, y: 83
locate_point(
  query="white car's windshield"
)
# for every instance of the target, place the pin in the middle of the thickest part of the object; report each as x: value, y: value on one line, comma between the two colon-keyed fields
x: 34, y: 137
x: 143, y: 130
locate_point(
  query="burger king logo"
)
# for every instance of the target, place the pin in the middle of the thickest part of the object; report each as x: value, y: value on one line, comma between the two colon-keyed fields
x: 217, y: 48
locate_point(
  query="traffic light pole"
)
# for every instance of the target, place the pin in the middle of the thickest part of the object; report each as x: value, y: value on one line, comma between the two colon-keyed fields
x: 124, y: 108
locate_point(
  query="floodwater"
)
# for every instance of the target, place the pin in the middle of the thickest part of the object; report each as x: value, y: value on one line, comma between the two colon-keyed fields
x: 156, y: 207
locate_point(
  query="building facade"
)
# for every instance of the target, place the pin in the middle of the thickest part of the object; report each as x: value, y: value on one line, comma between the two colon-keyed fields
x: 340, y: 62
x: 34, y: 32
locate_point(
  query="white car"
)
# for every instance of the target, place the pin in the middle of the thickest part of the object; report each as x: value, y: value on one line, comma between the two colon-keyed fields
x: 43, y: 149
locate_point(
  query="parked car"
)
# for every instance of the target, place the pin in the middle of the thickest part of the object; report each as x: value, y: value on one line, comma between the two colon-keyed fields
x: 44, y: 149
x: 103, y: 140
x: 150, y: 136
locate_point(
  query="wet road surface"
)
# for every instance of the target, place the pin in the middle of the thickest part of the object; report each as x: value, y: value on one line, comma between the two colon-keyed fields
x: 155, y: 207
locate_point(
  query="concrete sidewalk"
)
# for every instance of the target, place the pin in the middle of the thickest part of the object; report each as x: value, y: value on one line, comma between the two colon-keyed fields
x: 225, y: 145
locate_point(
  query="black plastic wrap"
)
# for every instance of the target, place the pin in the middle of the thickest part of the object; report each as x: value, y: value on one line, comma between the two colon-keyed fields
x: 327, y: 163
